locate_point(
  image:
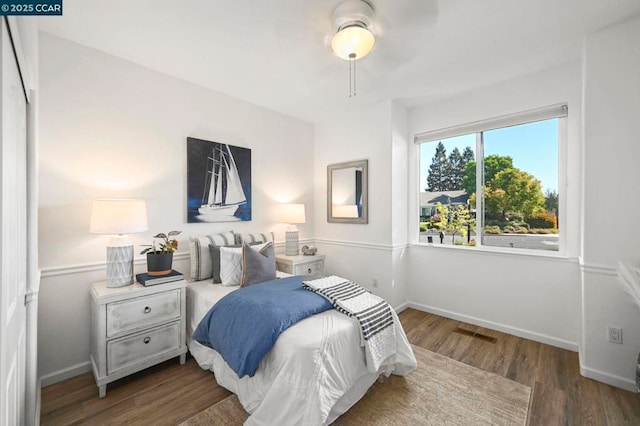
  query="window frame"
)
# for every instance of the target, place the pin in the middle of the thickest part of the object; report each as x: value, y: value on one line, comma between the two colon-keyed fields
x: 556, y: 111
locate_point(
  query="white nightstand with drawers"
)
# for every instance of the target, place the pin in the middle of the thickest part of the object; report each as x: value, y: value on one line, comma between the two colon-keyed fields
x: 135, y: 327
x: 308, y: 266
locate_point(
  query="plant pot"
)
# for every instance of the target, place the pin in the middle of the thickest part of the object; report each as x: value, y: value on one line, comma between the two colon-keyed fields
x: 159, y: 264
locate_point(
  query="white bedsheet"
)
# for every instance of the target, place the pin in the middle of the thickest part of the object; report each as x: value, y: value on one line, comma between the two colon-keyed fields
x: 315, y: 372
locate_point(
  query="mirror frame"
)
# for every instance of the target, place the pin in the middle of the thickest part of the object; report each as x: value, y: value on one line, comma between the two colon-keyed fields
x: 365, y: 191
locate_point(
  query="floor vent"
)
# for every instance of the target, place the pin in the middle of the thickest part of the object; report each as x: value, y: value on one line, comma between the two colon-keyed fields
x: 476, y: 335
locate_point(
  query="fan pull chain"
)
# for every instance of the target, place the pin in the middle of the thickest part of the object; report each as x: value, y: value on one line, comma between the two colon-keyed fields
x: 352, y: 74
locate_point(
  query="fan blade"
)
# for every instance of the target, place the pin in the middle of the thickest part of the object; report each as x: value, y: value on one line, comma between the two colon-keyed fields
x: 402, y: 28
x: 404, y: 15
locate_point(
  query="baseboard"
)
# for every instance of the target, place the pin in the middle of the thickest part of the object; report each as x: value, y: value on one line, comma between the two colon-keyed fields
x: 538, y: 337
x: 608, y: 378
x: 65, y: 373
x: 401, y: 308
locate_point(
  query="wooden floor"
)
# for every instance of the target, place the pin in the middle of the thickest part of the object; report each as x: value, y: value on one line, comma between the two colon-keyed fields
x: 170, y: 393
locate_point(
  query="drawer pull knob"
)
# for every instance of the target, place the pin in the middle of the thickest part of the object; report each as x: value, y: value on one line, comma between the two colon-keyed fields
x: 146, y: 310
x: 309, y: 270
x: 147, y: 340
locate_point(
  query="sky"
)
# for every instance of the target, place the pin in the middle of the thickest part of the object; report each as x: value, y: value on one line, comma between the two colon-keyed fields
x: 533, y: 147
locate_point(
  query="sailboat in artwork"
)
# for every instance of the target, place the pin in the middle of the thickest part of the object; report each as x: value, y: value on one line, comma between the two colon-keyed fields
x: 223, y: 192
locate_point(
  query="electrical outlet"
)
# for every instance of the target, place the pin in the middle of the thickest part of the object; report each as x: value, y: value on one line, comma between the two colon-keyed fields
x: 614, y: 334
x: 375, y: 283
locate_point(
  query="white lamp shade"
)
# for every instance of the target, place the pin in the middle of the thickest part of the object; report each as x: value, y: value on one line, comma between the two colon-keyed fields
x: 346, y: 210
x: 353, y: 39
x: 124, y: 216
x: 292, y: 213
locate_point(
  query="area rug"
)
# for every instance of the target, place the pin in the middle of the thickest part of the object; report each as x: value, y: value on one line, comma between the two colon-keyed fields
x: 440, y: 391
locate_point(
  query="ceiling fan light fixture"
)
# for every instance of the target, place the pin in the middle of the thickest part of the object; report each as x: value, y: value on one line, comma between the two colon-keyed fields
x: 353, y: 41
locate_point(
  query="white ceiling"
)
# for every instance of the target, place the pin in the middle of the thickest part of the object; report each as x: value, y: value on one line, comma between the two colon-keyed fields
x: 275, y: 53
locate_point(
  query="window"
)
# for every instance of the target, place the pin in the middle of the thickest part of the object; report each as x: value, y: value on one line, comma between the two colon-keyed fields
x: 493, y: 183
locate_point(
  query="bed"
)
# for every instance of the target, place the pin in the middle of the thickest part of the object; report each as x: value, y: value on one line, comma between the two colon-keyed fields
x: 314, y: 373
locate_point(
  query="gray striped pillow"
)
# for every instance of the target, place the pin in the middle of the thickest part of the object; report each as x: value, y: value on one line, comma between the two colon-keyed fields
x: 266, y: 237
x: 201, y: 266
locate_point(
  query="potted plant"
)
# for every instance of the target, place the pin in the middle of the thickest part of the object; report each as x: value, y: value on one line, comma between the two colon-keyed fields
x: 160, y: 257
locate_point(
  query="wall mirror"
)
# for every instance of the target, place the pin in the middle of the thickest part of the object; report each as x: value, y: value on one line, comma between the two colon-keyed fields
x: 347, y: 189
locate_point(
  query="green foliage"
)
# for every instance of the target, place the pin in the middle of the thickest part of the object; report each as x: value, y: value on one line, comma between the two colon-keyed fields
x: 542, y: 231
x: 543, y: 220
x: 510, y: 194
x: 468, y: 155
x: 458, y: 221
x: 492, y: 229
x: 515, y: 229
x: 423, y: 226
x: 551, y: 201
x: 439, y: 220
x: 438, y: 170
x: 493, y: 164
x: 515, y: 218
x: 447, y: 173
x: 456, y: 170
x: 512, y: 190
x: 166, y: 246
x: 508, y: 229
x: 469, y: 178
x: 495, y: 222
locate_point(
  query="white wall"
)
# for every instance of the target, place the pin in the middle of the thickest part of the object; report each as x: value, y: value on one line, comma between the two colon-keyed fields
x: 611, y: 205
x: 355, y: 132
x: 362, y: 252
x: 110, y: 128
x: 533, y: 297
x: 399, y: 203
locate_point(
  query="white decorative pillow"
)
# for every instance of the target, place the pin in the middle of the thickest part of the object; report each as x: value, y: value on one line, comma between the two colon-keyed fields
x: 265, y: 237
x: 231, y: 264
x: 201, y: 266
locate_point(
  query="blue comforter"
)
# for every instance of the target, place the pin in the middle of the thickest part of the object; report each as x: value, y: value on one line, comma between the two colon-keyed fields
x: 245, y: 324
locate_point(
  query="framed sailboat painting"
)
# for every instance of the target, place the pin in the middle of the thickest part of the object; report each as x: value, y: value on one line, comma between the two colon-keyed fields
x: 218, y: 182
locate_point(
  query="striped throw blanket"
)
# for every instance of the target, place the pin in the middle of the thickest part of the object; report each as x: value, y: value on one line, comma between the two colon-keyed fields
x: 375, y: 316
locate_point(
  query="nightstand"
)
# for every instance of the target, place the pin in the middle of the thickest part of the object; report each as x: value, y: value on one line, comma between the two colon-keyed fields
x: 135, y: 327
x: 308, y: 266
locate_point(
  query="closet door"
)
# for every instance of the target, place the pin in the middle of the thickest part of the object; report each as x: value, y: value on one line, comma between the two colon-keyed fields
x: 13, y: 236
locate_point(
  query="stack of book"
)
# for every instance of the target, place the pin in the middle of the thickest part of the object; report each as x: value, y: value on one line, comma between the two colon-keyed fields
x: 147, y: 280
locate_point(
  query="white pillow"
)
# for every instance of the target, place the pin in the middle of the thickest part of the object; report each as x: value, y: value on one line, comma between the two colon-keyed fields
x: 231, y: 264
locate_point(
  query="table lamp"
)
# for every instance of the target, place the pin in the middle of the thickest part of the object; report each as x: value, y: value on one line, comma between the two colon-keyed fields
x: 291, y: 214
x: 119, y: 217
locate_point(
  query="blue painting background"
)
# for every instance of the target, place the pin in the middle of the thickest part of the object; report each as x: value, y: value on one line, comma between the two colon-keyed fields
x: 197, y: 152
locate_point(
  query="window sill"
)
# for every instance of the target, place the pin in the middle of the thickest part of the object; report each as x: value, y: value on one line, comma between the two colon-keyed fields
x: 487, y: 250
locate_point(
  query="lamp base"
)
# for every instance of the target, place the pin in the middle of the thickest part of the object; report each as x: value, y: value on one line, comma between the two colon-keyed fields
x: 119, y: 262
x: 291, y: 245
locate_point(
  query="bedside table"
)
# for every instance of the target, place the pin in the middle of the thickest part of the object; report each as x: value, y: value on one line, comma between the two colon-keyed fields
x: 135, y: 327
x: 308, y: 266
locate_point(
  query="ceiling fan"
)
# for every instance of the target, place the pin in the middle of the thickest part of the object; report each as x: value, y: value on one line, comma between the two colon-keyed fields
x: 393, y: 32
x: 399, y: 26
x: 353, y: 21
x: 356, y: 24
